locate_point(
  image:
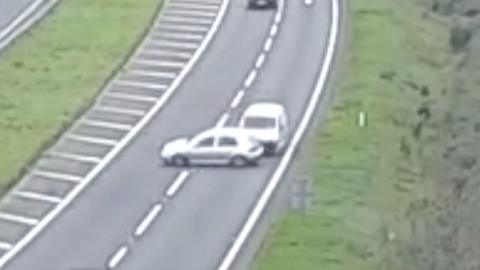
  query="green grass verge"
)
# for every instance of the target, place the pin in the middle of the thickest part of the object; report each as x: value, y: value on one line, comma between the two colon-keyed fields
x: 54, y: 71
x: 368, y: 181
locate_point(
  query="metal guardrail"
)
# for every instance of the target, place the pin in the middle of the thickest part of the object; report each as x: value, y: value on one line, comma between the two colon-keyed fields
x: 28, y: 17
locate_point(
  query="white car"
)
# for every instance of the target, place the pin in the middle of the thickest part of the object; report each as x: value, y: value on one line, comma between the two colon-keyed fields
x: 268, y: 123
x: 218, y: 146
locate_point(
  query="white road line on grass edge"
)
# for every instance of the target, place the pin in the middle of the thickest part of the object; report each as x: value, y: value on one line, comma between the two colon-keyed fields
x: 262, y: 202
x: 24, y: 20
x: 123, y: 143
x: 19, y: 19
x: 148, y: 220
x: 118, y: 257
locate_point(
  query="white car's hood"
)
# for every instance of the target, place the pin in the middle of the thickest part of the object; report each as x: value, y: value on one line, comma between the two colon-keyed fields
x: 263, y: 135
x: 175, y: 147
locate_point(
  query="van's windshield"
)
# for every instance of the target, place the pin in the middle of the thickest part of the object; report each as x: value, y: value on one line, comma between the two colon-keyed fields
x: 259, y: 122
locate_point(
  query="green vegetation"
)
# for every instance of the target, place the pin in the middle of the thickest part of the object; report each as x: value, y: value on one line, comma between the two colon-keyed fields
x: 370, y: 183
x: 54, y: 71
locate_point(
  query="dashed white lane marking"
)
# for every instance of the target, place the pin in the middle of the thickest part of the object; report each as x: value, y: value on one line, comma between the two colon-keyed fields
x: 250, y: 79
x: 129, y: 83
x: 29, y: 195
x: 238, y: 98
x: 260, y: 60
x: 5, y: 246
x: 278, y: 17
x: 131, y: 97
x: 268, y: 45
x: 308, y: 2
x: 92, y: 140
x: 148, y: 220
x: 18, y: 219
x: 107, y: 125
x: 178, y: 183
x: 75, y: 157
x: 274, y: 30
x: 57, y: 176
x: 117, y: 257
x: 223, y: 120
x: 120, y: 110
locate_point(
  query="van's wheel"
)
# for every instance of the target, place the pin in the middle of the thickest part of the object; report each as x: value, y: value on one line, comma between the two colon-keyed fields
x: 180, y: 161
x: 239, y: 161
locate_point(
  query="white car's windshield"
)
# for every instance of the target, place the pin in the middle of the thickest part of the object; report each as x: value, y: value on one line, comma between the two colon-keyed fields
x: 259, y: 122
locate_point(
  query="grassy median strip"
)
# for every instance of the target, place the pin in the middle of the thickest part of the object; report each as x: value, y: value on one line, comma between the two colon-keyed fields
x: 53, y: 72
x: 367, y: 179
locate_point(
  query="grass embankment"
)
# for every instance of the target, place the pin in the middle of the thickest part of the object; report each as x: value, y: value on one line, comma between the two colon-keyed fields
x: 370, y: 183
x: 54, y: 71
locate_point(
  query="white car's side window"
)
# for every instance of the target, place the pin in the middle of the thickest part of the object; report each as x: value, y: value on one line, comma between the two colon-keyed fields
x: 227, y: 142
x: 206, y: 142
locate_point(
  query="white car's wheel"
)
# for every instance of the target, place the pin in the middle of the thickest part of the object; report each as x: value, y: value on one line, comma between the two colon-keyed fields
x: 180, y: 161
x: 239, y: 161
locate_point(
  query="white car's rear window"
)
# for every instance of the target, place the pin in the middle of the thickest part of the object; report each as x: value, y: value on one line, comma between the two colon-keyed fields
x: 259, y: 122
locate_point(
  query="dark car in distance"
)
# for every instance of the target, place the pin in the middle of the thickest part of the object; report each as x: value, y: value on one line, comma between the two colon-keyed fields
x: 262, y: 4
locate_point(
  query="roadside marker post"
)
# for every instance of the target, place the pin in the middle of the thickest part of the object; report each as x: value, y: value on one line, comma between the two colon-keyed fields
x: 362, y: 119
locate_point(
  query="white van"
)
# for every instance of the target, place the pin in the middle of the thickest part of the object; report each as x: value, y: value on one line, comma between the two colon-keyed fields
x: 268, y: 123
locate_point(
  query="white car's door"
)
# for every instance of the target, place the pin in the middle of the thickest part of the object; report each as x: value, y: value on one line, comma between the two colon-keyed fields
x: 202, y: 150
x: 227, y: 146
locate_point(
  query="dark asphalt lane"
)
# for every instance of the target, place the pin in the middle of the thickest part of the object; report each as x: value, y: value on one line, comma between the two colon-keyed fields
x: 9, y: 9
x: 106, y: 213
x: 199, y: 227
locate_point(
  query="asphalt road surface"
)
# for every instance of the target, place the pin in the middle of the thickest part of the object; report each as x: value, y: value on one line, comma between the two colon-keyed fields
x: 9, y: 9
x: 196, y: 226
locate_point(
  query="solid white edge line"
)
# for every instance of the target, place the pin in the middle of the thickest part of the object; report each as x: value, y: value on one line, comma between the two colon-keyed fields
x: 179, y: 181
x: 260, y: 60
x: 238, y: 98
x: 223, y: 120
x: 5, y: 245
x: 47, y: 219
x: 250, y: 79
x: 148, y: 220
x: 265, y: 197
x: 117, y: 257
